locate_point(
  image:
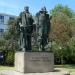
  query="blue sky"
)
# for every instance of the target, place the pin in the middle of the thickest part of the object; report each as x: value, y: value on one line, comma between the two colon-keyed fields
x: 14, y: 7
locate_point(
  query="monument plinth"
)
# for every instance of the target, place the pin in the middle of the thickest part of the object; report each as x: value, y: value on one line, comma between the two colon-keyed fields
x: 34, y: 62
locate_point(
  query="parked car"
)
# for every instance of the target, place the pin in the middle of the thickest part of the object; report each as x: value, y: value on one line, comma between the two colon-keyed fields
x: 1, y: 57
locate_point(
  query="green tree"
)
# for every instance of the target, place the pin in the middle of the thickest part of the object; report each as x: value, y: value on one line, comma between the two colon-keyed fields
x: 71, y: 45
x: 62, y: 9
x: 2, y: 43
x: 61, y: 30
x: 11, y: 44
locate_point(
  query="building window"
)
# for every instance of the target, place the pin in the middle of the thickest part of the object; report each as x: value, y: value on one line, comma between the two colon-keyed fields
x: 1, y: 33
x: 1, y: 19
x: 1, y: 30
x: 11, y: 18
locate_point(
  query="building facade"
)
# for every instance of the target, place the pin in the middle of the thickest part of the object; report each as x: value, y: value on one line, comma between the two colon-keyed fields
x: 4, y: 18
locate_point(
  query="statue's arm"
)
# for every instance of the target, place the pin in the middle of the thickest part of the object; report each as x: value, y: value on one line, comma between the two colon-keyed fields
x: 19, y: 21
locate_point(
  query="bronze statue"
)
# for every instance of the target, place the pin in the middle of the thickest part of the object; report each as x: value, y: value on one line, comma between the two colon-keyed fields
x: 26, y: 28
x: 42, y: 28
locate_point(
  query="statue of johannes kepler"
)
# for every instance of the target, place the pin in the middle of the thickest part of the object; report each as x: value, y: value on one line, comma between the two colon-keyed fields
x: 42, y: 28
x: 26, y: 29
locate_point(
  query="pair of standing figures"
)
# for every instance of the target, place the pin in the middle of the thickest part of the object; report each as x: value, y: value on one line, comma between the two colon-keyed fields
x: 26, y: 25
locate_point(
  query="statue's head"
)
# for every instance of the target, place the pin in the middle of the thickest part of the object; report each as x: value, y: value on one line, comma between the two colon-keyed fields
x: 26, y: 8
x: 44, y: 9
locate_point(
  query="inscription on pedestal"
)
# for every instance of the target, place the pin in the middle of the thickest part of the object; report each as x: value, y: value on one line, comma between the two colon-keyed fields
x: 37, y: 58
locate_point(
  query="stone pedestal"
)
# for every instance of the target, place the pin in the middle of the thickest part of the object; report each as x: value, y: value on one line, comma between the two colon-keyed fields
x: 34, y: 62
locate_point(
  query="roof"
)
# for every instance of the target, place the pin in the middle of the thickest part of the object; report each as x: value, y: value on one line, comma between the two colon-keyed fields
x: 4, y: 14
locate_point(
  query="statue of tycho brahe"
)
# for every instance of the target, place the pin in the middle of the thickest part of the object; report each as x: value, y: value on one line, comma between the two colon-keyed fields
x: 42, y: 28
x: 26, y: 29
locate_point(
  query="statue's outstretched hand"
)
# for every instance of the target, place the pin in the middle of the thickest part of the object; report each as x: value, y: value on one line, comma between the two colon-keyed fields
x: 20, y: 25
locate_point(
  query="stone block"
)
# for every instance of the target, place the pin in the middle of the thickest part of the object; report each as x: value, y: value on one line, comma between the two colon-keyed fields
x: 34, y: 62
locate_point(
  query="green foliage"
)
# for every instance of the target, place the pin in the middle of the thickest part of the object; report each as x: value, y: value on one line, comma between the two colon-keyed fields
x: 10, y: 45
x: 2, y: 43
x: 62, y: 9
x: 62, y: 32
x: 71, y: 45
x: 11, y: 32
x: 61, y: 29
x: 11, y: 35
x: 9, y: 57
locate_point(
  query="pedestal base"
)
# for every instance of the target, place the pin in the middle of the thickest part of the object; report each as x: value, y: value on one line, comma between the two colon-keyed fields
x: 34, y: 62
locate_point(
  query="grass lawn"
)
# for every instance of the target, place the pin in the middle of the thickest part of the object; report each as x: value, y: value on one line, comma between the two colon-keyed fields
x: 70, y: 68
x: 6, y: 68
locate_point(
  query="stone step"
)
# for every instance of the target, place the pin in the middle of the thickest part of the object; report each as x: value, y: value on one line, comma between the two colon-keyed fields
x: 12, y: 72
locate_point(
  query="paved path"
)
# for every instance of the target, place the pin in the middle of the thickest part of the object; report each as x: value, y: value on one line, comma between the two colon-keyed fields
x: 12, y: 72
